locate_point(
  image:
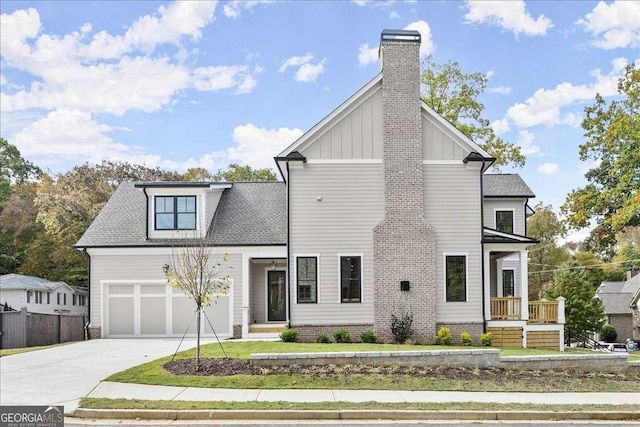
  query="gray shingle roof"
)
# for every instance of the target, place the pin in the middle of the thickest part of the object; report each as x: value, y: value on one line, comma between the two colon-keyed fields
x: 616, y: 296
x: 505, y: 185
x: 21, y: 281
x: 249, y: 213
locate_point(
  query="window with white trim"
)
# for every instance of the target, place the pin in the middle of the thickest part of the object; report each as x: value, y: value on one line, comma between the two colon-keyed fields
x: 307, y: 279
x: 350, y: 279
x: 175, y: 212
x: 455, y: 278
x: 504, y: 221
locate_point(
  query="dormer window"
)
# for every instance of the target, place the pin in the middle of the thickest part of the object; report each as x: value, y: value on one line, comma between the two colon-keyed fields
x: 175, y: 212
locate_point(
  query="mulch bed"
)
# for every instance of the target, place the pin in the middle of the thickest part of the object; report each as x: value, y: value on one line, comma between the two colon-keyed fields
x: 228, y: 367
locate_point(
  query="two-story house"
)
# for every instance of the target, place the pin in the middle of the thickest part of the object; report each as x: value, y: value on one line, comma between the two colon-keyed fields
x: 385, y: 210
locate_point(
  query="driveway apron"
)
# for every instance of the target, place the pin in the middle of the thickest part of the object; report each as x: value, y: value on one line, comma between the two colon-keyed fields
x: 64, y: 374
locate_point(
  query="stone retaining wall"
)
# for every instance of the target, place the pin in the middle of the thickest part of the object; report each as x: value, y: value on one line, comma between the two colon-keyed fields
x: 482, y: 358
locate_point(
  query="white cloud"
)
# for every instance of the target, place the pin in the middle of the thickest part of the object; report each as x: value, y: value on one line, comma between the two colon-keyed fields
x: 543, y: 107
x: 500, y: 126
x: 224, y: 77
x: 368, y: 55
x: 308, y: 71
x: 256, y: 146
x: 3, y: 80
x: 510, y: 15
x: 525, y: 141
x: 394, y: 15
x: 613, y: 25
x: 548, y: 168
x: 502, y: 90
x: 65, y: 135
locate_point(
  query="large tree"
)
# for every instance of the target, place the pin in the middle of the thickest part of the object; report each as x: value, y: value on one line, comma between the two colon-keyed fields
x: 583, y: 312
x: 546, y: 256
x: 611, y: 199
x: 235, y: 173
x: 454, y: 95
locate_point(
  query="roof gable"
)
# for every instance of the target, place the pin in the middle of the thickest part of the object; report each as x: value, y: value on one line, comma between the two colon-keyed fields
x: 505, y: 185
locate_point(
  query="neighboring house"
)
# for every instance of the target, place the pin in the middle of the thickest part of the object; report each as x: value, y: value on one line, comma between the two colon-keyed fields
x: 42, y: 296
x: 385, y: 210
x: 620, y: 300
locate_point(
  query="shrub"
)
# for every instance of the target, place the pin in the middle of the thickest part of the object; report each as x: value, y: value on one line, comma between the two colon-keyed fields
x: 368, y: 337
x: 443, y: 337
x: 322, y: 339
x: 608, y: 333
x: 341, y: 336
x: 465, y: 339
x: 485, y: 339
x: 289, y: 335
x: 401, y: 328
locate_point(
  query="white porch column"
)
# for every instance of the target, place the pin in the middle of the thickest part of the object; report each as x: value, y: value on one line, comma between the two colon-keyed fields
x: 499, y: 284
x: 245, y: 296
x: 487, y: 284
x: 524, y: 283
x: 561, y: 318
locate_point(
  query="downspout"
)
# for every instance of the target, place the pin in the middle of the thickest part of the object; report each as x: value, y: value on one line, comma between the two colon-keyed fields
x: 86, y: 326
x: 288, y: 254
x: 146, y: 216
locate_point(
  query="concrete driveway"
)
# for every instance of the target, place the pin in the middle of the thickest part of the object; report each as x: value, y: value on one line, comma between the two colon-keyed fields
x: 62, y: 375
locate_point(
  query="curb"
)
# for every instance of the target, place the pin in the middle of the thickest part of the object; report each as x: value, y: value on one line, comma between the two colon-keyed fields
x: 149, y: 414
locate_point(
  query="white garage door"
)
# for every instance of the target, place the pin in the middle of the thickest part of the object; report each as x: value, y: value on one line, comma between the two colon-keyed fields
x: 134, y: 309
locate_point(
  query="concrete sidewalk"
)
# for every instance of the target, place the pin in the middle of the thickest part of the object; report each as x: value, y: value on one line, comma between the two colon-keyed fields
x: 149, y: 392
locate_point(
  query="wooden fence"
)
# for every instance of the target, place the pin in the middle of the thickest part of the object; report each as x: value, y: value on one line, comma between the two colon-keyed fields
x: 23, y: 329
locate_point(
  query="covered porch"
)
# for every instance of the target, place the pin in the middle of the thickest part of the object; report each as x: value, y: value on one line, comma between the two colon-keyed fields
x: 514, y: 320
x: 265, y: 297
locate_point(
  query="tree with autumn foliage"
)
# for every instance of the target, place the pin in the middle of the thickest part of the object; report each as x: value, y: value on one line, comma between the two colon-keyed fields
x: 611, y: 199
x: 454, y: 95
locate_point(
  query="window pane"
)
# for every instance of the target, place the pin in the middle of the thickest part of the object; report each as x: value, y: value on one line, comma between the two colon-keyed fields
x: 164, y: 221
x: 307, y: 279
x: 164, y: 204
x: 350, y: 271
x: 455, y: 278
x: 186, y: 221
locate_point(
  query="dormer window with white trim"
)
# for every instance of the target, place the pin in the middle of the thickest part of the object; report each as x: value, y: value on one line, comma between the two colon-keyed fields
x: 175, y: 212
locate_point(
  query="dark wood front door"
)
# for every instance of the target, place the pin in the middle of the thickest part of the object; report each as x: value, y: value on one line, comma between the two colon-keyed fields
x: 276, y: 296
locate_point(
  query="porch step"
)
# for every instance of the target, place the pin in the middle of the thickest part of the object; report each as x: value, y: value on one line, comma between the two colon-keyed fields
x: 266, y: 328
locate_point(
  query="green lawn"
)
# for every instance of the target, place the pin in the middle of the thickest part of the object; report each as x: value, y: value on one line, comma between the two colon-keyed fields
x: 154, y: 373
x: 94, y: 403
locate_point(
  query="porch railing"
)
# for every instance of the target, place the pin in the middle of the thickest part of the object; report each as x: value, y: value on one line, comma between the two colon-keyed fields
x: 510, y: 308
x: 506, y: 308
x: 543, y: 312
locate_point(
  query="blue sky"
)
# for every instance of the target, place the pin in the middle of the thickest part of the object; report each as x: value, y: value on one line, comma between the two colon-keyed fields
x: 199, y: 83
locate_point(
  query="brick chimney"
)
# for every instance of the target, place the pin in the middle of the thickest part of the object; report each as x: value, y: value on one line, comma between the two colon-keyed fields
x: 632, y: 272
x: 404, y: 244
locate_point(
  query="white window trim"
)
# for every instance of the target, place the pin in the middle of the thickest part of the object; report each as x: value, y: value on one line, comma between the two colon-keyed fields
x: 351, y: 254
x: 466, y: 276
x: 513, y: 218
x: 294, y: 296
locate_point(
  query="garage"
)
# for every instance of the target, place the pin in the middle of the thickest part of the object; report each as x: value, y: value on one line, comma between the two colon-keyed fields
x: 154, y: 309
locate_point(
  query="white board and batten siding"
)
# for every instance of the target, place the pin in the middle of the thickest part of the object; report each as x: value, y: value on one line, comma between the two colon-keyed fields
x: 356, y: 135
x: 452, y: 207
x: 517, y: 205
x: 334, y: 208
x: 130, y: 295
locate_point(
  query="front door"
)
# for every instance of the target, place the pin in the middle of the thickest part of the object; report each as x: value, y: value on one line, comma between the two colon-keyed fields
x: 276, y: 298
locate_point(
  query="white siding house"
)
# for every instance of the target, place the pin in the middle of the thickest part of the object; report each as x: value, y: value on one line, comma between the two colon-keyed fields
x: 41, y: 296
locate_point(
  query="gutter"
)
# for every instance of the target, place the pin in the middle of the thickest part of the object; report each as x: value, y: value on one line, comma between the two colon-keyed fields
x: 288, y: 253
x: 146, y: 216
